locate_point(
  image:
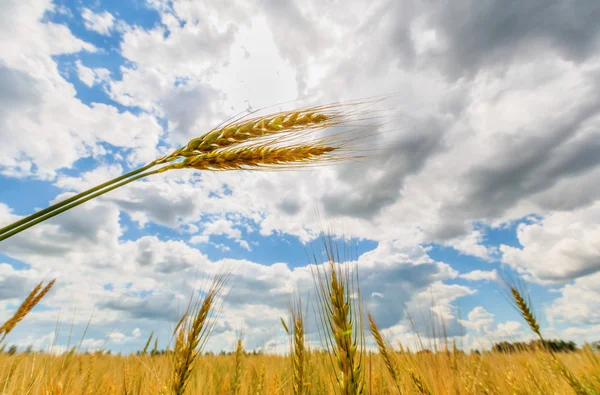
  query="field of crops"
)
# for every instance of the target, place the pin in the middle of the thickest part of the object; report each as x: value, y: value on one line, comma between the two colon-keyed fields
x: 342, y: 365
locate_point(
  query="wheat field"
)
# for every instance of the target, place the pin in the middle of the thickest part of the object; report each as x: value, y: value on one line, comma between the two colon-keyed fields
x: 441, y: 373
x: 343, y: 364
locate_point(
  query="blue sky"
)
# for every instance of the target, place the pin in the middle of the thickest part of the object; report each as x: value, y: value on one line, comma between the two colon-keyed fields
x: 490, y: 170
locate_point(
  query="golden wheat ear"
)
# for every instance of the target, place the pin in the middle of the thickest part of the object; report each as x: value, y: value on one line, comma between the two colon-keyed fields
x: 340, y: 314
x: 384, y: 352
x: 193, y: 331
x: 239, y: 371
x: 34, y: 297
x: 522, y: 302
x: 298, y: 353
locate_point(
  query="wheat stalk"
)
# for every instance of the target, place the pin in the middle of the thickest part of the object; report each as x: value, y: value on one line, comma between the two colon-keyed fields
x: 298, y: 351
x: 237, y: 378
x: 191, y: 336
x: 341, y: 321
x: 263, y: 143
x: 383, y: 351
x: 145, y: 349
x: 523, y: 305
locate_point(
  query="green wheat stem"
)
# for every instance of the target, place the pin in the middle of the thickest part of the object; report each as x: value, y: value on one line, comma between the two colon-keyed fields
x: 72, y: 199
x: 74, y: 204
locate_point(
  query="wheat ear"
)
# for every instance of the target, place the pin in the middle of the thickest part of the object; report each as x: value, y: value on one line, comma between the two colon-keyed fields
x: 145, y: 350
x: 298, y: 351
x: 237, y: 378
x: 341, y: 321
x: 220, y: 149
x: 239, y: 132
x: 29, y: 303
x: 192, y: 335
x: 523, y: 305
x: 383, y: 351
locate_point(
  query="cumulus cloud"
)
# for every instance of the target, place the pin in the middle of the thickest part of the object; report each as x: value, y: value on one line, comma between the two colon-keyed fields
x: 577, y: 303
x: 90, y: 76
x: 560, y: 247
x: 481, y: 275
x: 101, y: 23
x: 60, y: 128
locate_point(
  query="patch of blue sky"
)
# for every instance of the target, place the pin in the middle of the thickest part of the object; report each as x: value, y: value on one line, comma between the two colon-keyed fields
x: 133, y: 12
x: 97, y: 93
x: 491, y: 294
x: 24, y: 195
x: 275, y: 248
x: 132, y: 230
x: 486, y: 291
x: 15, y: 263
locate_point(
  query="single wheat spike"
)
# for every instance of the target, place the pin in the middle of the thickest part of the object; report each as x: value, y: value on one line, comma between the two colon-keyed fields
x: 191, y: 338
x: 155, y: 349
x: 255, y: 158
x: 383, y: 351
x: 524, y: 307
x: 526, y: 311
x: 298, y: 353
x: 237, y: 378
x: 341, y: 321
x: 29, y: 303
x: 145, y: 350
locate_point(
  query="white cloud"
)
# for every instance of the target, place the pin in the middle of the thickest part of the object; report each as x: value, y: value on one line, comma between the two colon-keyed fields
x: 37, y: 99
x: 560, y: 247
x: 487, y: 329
x: 91, y: 77
x: 578, y: 303
x: 101, y: 23
x: 481, y: 275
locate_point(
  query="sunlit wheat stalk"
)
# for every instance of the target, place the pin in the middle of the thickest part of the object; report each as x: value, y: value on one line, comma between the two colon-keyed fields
x: 298, y: 351
x: 384, y: 353
x: 237, y: 378
x: 523, y: 305
x: 191, y: 335
x: 341, y: 319
x: 145, y: 349
x: 274, y: 142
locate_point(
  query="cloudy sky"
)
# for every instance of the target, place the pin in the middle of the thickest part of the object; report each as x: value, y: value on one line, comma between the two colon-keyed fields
x: 493, y: 168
